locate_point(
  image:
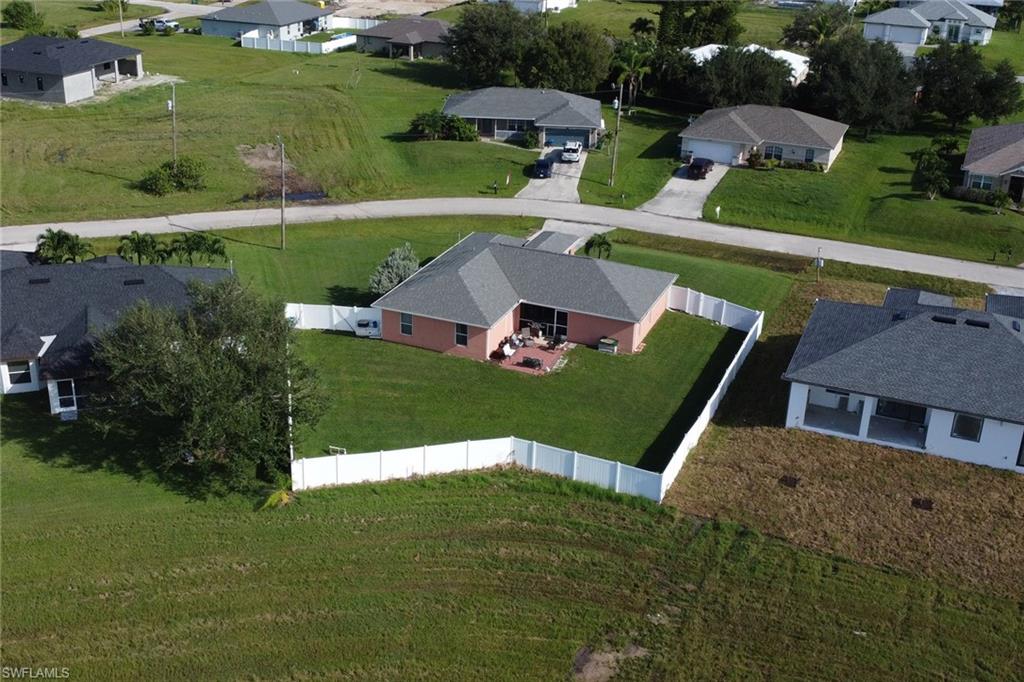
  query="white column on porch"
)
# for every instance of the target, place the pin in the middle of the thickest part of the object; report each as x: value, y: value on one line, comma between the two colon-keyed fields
x: 117, y: 73
x: 870, y: 402
x: 797, y: 405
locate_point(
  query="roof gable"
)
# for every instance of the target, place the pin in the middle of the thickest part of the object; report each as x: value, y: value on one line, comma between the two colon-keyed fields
x: 552, y: 108
x: 758, y: 124
x: 269, y: 13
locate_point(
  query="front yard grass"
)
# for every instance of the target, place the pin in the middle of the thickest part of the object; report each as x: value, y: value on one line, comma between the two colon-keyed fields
x: 867, y: 197
x: 1005, y: 45
x: 344, y: 118
x: 763, y: 25
x: 493, y: 575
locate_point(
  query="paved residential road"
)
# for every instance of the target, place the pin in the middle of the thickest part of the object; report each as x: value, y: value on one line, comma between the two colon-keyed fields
x: 24, y: 236
x: 171, y: 10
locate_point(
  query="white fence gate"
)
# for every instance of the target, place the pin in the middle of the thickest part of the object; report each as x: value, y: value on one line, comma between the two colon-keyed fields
x: 384, y: 465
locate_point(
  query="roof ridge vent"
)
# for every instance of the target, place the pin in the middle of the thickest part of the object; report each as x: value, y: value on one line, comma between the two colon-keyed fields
x: 133, y: 282
x: 944, y: 319
x: 39, y: 280
x: 977, y: 323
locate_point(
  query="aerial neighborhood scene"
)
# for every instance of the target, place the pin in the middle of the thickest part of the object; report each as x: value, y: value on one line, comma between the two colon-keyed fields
x: 512, y: 339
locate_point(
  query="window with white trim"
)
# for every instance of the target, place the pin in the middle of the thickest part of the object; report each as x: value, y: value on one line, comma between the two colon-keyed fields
x: 461, y: 334
x: 773, y: 151
x: 406, y: 324
x: 967, y: 427
x: 19, y: 373
x: 981, y: 181
x: 66, y: 394
x: 809, y: 155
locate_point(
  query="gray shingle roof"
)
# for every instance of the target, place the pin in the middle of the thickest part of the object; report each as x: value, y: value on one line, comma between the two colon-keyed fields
x: 546, y: 108
x: 909, y: 299
x: 994, y: 150
x: 484, y: 276
x: 74, y: 300
x: 897, y: 16
x: 409, y: 31
x: 1004, y: 304
x: 938, y: 10
x: 555, y: 242
x: 757, y: 124
x: 59, y: 57
x: 909, y: 355
x: 269, y: 13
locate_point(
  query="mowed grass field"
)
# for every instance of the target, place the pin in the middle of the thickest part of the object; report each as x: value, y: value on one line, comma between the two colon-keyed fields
x: 869, y: 196
x: 1005, y: 45
x: 343, y: 117
x: 496, y: 576
x: 81, y: 14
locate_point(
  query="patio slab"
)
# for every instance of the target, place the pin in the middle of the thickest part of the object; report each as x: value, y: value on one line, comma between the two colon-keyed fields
x: 550, y: 359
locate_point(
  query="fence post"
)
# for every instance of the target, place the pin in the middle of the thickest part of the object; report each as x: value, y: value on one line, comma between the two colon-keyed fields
x: 467, y: 455
x: 380, y: 465
x: 424, y: 460
x: 337, y: 469
x: 302, y: 470
x: 574, y: 457
x: 618, y: 475
x: 531, y: 461
x: 725, y: 307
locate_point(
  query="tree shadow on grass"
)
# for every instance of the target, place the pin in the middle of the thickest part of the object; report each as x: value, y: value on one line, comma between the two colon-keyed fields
x: 341, y: 295
x: 664, y: 148
x: 436, y: 74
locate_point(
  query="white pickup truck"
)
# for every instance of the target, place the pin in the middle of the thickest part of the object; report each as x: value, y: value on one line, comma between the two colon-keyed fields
x: 159, y: 24
x: 572, y: 151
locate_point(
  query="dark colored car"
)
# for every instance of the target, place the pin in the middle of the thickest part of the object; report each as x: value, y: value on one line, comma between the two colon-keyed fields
x: 698, y: 168
x: 542, y: 168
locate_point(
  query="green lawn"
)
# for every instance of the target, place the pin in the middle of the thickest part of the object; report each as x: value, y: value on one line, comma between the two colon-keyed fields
x: 344, y: 118
x: 867, y: 197
x: 81, y: 14
x: 648, y: 155
x: 763, y: 25
x: 1005, y: 45
x: 491, y: 576
x: 611, y: 16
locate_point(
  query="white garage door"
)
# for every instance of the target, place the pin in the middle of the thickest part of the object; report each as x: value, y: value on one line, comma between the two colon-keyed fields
x: 719, y: 152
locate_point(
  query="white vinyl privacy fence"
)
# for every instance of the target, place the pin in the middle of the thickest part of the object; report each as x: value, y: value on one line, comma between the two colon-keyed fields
x: 338, y: 318
x: 315, y: 472
x: 341, y: 41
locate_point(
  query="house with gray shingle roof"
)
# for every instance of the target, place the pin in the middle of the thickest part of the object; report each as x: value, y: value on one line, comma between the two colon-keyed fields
x: 50, y: 314
x: 728, y: 135
x: 507, y: 113
x: 931, y: 20
x: 411, y: 37
x: 916, y: 373
x: 995, y: 160
x: 487, y: 286
x: 281, y: 19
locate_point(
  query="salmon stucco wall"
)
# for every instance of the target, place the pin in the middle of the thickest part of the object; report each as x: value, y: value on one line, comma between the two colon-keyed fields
x: 650, y: 319
x: 589, y: 329
x: 502, y: 328
x: 437, y: 335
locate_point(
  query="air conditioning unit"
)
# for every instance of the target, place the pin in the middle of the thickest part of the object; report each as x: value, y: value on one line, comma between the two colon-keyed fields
x: 369, y: 328
x: 608, y: 345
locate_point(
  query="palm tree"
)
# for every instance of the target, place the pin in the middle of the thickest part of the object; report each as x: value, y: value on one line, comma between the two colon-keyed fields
x: 632, y: 61
x: 214, y: 248
x: 77, y: 248
x: 643, y: 27
x: 599, y: 245
x: 139, y: 247
x: 52, y: 245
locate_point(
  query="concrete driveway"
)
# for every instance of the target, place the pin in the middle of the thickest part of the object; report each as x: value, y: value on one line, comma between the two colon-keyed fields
x: 563, y: 183
x: 682, y: 197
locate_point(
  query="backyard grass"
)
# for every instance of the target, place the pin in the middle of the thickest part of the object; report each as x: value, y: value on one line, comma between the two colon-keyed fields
x: 763, y: 25
x: 867, y: 197
x: 1005, y: 45
x: 611, y: 16
x: 344, y: 118
x: 81, y: 14
x: 496, y: 576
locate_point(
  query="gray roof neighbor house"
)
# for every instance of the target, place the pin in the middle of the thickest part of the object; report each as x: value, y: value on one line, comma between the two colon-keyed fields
x: 953, y: 10
x: 60, y: 57
x: 483, y: 277
x: 72, y: 301
x: 409, y: 31
x: 269, y: 13
x: 995, y: 150
x: 546, y: 108
x: 756, y: 124
x: 898, y: 16
x: 917, y: 349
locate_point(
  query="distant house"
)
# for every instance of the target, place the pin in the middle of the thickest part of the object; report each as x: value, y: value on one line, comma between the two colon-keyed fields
x: 63, y: 71
x: 995, y: 160
x: 281, y: 19
x: 412, y: 37
x: 729, y: 134
x: 508, y: 113
x: 931, y: 20
x: 988, y: 6
x: 538, y: 6
x: 916, y: 373
x: 49, y: 315
x: 488, y: 286
x: 799, y: 65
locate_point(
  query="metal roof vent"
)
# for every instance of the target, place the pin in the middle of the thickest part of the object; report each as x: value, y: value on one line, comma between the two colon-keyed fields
x: 899, y: 316
x: 41, y: 280
x: 133, y: 282
x: 977, y: 323
x: 944, y: 319
x: 1016, y: 325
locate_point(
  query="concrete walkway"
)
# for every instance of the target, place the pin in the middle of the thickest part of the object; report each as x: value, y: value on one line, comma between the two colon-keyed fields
x: 682, y: 197
x: 24, y: 236
x: 171, y: 10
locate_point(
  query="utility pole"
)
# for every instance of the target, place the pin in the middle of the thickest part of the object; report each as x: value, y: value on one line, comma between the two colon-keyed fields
x: 280, y: 145
x: 618, y: 125
x: 120, y: 16
x: 172, y: 104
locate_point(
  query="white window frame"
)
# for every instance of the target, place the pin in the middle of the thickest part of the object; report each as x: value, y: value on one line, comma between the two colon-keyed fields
x: 405, y: 320
x: 12, y: 373
x: 809, y: 155
x: 981, y: 182
x: 770, y: 151
x: 953, y: 430
x: 464, y: 334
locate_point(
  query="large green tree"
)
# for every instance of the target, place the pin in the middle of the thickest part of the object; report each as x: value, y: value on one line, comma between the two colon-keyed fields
x: 632, y: 61
x: 692, y: 24
x: 219, y: 380
x: 859, y: 82
x: 956, y: 84
x: 571, y: 56
x: 818, y: 24
x: 999, y: 93
x: 735, y: 76
x: 488, y: 42
x: 22, y: 15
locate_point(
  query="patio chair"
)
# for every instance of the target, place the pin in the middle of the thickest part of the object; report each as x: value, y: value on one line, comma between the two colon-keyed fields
x: 527, y: 334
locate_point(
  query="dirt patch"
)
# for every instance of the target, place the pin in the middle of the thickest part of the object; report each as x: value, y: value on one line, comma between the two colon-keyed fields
x: 265, y: 159
x: 375, y: 8
x: 591, y: 665
x: 853, y: 499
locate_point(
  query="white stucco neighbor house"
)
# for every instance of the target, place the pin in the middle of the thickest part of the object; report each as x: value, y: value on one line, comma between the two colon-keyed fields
x: 799, y: 65
x: 275, y: 19
x: 728, y: 135
x: 536, y: 6
x: 931, y: 21
x: 61, y: 71
x: 915, y: 373
x: 49, y: 315
x: 995, y: 160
